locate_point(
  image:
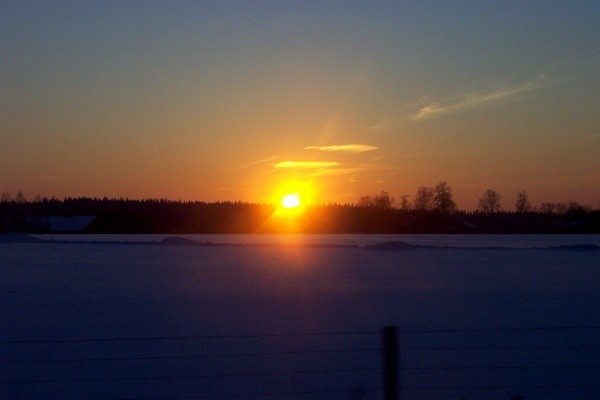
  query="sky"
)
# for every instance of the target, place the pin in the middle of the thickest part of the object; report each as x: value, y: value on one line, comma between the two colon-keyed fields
x: 233, y: 100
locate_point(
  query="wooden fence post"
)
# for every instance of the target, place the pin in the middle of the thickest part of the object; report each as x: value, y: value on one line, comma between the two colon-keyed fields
x: 391, y: 389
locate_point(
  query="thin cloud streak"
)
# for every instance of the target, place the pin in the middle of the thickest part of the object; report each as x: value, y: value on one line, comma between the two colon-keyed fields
x: 251, y: 164
x: 471, y: 100
x: 263, y: 161
x: 352, y: 148
x: 306, y: 164
x: 336, y: 172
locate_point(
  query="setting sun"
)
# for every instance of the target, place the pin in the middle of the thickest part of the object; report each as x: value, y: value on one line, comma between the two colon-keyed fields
x: 291, y: 200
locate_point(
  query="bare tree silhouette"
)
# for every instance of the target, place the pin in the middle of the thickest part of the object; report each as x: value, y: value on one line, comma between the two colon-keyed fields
x: 443, y: 198
x: 423, y: 199
x: 382, y: 200
x: 522, y: 204
x: 489, y: 202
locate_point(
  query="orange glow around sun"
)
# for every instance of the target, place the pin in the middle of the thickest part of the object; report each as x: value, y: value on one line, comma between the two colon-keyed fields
x: 292, y: 198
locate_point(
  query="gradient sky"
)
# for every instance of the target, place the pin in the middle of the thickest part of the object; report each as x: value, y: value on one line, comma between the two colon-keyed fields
x: 228, y: 100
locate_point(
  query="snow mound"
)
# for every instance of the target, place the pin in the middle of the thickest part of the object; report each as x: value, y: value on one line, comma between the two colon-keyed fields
x: 16, y: 237
x: 179, y: 241
x: 392, y: 245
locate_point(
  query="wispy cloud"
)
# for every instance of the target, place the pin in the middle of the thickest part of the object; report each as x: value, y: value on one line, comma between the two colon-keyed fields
x: 306, y: 164
x: 258, y: 162
x: 337, y: 171
x: 433, y: 109
x: 352, y: 148
x: 251, y: 164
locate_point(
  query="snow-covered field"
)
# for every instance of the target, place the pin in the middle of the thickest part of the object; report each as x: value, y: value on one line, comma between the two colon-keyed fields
x: 114, y: 320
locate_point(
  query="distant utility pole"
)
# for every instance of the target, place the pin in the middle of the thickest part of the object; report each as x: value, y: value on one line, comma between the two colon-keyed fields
x: 391, y: 389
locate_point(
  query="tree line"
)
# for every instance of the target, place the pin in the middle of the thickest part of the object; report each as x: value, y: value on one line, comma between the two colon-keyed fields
x: 433, y: 210
x: 440, y: 198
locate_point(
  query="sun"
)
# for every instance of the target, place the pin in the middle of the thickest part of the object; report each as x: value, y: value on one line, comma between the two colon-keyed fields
x: 290, y: 200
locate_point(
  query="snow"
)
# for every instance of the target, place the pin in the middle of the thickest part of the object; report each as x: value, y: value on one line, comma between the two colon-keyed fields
x: 63, y: 291
x: 17, y: 237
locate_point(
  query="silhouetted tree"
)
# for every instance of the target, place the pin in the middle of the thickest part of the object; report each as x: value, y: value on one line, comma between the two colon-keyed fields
x: 553, y: 208
x: 522, y: 204
x: 5, y: 197
x: 489, y: 202
x: 574, y: 206
x: 423, y: 199
x: 443, y: 198
x: 404, y: 203
x: 20, y: 197
x: 547, y: 208
x: 561, y: 208
x: 165, y: 216
x: 365, y: 201
x: 381, y: 200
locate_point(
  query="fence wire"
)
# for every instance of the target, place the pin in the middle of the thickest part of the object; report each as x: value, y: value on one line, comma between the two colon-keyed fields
x: 480, y: 363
